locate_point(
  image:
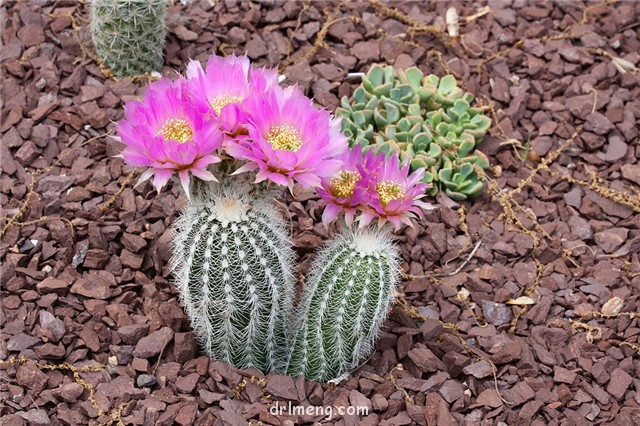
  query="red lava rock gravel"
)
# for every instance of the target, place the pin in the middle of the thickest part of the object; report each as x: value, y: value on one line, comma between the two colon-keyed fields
x: 85, y: 278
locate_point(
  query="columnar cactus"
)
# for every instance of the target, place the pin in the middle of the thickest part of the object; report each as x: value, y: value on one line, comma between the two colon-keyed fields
x: 351, y: 287
x: 233, y: 265
x: 428, y: 120
x: 129, y: 35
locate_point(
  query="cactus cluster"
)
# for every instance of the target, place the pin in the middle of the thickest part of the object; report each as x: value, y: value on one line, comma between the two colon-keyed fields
x: 233, y: 267
x: 223, y: 131
x: 129, y: 35
x: 428, y: 120
x: 351, y: 287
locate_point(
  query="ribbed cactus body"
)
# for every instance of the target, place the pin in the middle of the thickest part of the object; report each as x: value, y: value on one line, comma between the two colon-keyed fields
x: 350, y: 289
x: 234, y: 271
x: 129, y: 35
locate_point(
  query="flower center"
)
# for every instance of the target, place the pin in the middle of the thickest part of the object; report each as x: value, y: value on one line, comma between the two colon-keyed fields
x: 345, y: 183
x: 284, y: 138
x: 177, y: 129
x: 389, y: 191
x: 222, y: 101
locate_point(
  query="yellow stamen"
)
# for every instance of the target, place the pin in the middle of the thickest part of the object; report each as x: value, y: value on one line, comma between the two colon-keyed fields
x: 285, y: 138
x: 176, y: 128
x: 389, y: 191
x: 345, y: 183
x: 222, y: 101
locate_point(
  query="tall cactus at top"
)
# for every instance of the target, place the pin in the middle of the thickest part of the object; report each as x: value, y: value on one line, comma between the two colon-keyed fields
x: 234, y: 272
x: 129, y: 35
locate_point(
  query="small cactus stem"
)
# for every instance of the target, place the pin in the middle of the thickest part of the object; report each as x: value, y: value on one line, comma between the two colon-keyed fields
x: 351, y: 286
x: 129, y: 35
x: 234, y: 265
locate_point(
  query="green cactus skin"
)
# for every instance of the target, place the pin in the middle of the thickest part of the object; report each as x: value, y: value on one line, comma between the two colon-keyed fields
x: 129, y: 35
x: 350, y: 289
x: 428, y: 120
x: 234, y: 269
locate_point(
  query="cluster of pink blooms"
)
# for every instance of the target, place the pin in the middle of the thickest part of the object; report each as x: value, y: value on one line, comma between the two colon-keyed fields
x: 230, y: 110
x: 374, y: 186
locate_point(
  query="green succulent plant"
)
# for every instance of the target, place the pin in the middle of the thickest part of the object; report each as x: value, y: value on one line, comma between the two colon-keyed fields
x: 429, y: 121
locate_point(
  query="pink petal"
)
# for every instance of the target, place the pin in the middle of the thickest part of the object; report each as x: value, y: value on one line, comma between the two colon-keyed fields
x: 145, y: 176
x: 424, y: 205
x: 308, y: 179
x: 161, y: 178
x: 330, y: 213
x: 203, y: 174
x: 184, y: 180
x: 273, y: 177
x: 249, y: 167
x: 406, y: 220
x: 366, y: 218
x: 349, y: 216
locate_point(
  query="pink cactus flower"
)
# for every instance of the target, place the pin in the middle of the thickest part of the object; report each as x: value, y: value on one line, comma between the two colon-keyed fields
x: 289, y: 139
x: 222, y: 88
x: 346, y: 190
x: 394, y: 195
x: 167, y: 134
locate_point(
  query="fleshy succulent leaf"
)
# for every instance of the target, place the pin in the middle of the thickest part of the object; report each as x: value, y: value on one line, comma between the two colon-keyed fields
x: 447, y: 84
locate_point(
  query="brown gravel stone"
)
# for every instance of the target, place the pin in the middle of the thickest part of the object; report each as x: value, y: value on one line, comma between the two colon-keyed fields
x: 366, y: 51
x: 631, y: 172
x: 610, y: 239
x: 152, y: 344
x: 21, y: 342
x: 519, y: 394
x: 598, y: 124
x: 69, y: 392
x: 95, y: 288
x: 30, y: 376
x: 451, y: 390
x: 619, y: 383
x: 496, y: 313
x: 489, y: 398
x: 425, y: 360
x: 36, y: 417
x: 27, y: 153
x: 131, y: 334
x: 186, y: 384
x: 479, y: 370
x: 185, y: 347
x: 31, y: 35
x: 53, y: 285
x: 437, y: 411
x: 562, y: 375
x: 187, y: 414
x: 282, y: 388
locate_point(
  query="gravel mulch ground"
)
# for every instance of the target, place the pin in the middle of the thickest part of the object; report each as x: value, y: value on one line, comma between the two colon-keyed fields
x: 92, y: 332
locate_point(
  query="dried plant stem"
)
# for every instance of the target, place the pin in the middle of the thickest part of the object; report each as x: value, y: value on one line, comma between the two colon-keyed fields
x: 115, y: 414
